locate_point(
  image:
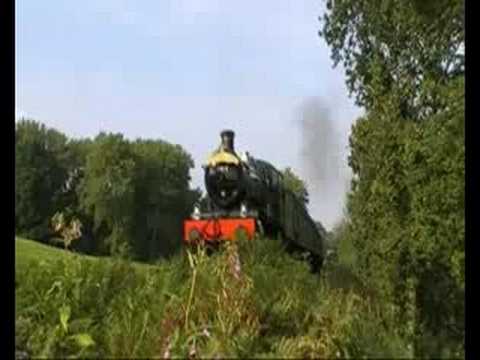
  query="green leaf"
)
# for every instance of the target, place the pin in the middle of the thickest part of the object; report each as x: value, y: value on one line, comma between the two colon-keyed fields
x: 64, y: 312
x: 83, y: 340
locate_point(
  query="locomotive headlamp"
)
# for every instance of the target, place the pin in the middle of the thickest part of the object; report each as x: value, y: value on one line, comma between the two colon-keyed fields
x: 196, y: 212
x: 243, y: 210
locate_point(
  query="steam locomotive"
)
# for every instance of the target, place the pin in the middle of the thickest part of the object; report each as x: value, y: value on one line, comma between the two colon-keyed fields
x: 248, y: 195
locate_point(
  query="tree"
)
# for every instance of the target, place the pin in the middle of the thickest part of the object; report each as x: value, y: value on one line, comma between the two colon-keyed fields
x: 404, y: 63
x: 396, y: 44
x: 72, y: 190
x: 293, y: 183
x: 109, y: 190
x: 164, y: 198
x: 129, y: 197
x: 40, y: 171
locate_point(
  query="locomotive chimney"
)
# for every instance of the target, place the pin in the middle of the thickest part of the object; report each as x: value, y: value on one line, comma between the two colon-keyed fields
x: 228, y: 137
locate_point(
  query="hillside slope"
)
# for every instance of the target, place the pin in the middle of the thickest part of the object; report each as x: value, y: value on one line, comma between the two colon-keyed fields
x: 29, y: 251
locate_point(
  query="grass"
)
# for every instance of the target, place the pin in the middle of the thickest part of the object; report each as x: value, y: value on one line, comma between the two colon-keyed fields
x: 29, y: 252
x: 250, y: 299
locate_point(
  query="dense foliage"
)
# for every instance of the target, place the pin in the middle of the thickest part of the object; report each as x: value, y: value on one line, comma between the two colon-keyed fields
x: 397, y: 46
x: 404, y: 63
x: 248, y: 301
x: 41, y: 169
x: 129, y: 196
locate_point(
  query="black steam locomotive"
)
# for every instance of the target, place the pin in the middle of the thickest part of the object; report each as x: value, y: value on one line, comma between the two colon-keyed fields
x: 249, y: 194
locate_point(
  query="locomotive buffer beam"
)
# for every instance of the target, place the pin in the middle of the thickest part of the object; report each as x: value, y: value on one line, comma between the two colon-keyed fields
x: 215, y: 226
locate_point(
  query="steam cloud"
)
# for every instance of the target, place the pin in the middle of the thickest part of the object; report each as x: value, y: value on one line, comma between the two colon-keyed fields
x: 324, y: 160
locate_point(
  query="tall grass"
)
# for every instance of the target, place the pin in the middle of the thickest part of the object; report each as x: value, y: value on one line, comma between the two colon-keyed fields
x: 249, y: 299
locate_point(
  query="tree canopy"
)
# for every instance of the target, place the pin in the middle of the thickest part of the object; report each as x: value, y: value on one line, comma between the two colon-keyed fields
x: 129, y: 196
x: 40, y: 171
x: 404, y: 63
x: 397, y: 46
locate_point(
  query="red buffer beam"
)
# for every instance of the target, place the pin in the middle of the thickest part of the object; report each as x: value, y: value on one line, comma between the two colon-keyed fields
x: 214, y: 230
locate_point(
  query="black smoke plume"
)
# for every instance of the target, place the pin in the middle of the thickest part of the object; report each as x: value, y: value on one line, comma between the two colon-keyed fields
x: 324, y: 160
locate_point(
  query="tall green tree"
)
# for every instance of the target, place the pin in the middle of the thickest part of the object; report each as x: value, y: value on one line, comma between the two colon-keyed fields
x: 164, y: 198
x: 73, y: 190
x: 109, y: 190
x: 404, y: 63
x: 40, y: 172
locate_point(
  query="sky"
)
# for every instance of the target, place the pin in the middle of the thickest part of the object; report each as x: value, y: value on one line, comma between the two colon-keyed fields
x: 182, y: 71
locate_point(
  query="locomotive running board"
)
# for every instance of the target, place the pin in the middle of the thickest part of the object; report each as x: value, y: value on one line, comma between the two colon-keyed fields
x: 214, y: 229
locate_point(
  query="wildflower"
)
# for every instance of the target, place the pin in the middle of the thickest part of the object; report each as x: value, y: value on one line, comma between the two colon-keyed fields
x: 192, y: 351
x: 166, y: 354
x: 206, y: 333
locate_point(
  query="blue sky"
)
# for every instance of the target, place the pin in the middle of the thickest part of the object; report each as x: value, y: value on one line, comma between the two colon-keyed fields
x: 182, y: 71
